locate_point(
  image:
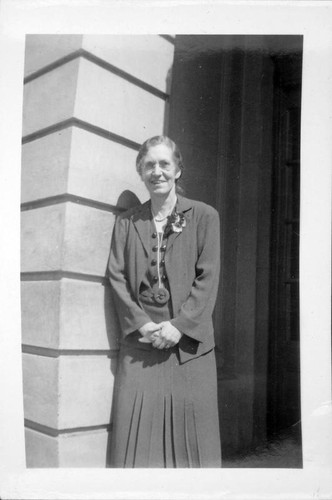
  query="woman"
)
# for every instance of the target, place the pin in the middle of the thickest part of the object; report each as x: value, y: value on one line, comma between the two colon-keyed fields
x: 164, y: 271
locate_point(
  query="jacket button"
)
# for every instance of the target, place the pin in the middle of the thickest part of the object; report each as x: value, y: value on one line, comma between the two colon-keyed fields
x: 163, y: 248
x: 155, y: 248
x: 154, y: 235
x: 162, y: 262
x: 164, y: 277
x: 153, y: 262
x: 155, y: 279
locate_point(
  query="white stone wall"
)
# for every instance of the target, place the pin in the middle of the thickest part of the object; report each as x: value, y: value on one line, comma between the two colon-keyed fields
x: 89, y: 101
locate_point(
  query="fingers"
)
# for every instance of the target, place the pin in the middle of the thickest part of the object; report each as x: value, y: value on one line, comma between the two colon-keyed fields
x: 161, y: 343
x: 149, y: 331
x: 149, y: 328
x: 170, y: 334
x: 153, y: 328
x: 155, y: 335
x: 165, y: 336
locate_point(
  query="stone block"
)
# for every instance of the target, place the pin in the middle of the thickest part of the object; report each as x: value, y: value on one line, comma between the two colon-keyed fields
x: 85, y: 390
x: 69, y: 391
x: 42, y: 238
x: 41, y: 389
x: 134, y: 54
x: 147, y: 57
x: 41, y: 450
x: 112, y: 103
x: 42, y: 50
x: 40, y: 313
x: 50, y: 98
x: 86, y: 91
x: 87, y: 239
x: 68, y: 314
x: 74, y: 161
x: 83, y: 449
x: 67, y: 237
x: 102, y: 170
x: 87, y: 316
x: 45, y: 165
x: 80, y: 449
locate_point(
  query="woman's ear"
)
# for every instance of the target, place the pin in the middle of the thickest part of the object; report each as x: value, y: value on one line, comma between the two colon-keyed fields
x: 178, y: 174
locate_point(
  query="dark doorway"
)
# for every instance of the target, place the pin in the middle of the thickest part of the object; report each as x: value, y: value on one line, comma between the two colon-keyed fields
x: 284, y: 375
x: 235, y: 113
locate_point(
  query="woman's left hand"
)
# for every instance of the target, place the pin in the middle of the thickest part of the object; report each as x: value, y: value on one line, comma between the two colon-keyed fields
x: 167, y: 337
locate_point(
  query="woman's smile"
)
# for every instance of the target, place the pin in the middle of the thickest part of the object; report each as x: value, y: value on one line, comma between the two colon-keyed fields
x: 157, y: 183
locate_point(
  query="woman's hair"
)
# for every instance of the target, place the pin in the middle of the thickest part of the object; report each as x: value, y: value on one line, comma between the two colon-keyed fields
x: 155, y: 141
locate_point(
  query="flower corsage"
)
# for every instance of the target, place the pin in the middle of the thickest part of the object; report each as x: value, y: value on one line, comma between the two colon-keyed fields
x: 175, y: 222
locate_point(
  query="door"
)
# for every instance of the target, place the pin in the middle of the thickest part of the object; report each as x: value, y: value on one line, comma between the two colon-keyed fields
x: 284, y: 375
x: 225, y: 97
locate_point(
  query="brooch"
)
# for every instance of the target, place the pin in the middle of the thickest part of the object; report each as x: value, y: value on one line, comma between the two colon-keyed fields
x: 175, y: 223
x: 161, y: 295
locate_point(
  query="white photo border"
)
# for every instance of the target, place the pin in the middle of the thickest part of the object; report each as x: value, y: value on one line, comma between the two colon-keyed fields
x: 313, y: 20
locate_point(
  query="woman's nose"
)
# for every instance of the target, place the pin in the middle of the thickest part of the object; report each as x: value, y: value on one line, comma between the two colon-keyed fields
x: 156, y: 169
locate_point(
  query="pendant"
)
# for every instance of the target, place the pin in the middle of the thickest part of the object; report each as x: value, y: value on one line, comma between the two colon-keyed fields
x: 161, y: 295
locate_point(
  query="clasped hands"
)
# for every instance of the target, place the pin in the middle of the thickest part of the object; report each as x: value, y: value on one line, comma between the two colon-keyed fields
x: 162, y: 335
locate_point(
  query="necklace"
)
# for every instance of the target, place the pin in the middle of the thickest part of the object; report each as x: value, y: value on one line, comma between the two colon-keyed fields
x: 161, y: 295
x: 162, y: 218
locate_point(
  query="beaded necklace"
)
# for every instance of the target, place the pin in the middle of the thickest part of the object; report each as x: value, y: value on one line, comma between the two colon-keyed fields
x: 161, y: 295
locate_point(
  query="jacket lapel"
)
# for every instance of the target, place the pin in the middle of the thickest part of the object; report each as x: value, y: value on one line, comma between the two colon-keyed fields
x: 183, y: 205
x: 142, y: 223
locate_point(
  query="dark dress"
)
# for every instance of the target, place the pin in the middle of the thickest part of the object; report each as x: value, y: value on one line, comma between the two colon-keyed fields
x: 165, y: 412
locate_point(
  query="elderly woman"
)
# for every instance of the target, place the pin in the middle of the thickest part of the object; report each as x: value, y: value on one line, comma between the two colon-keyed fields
x: 164, y: 271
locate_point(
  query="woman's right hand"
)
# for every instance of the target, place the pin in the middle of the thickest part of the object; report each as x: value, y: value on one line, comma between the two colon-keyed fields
x: 149, y: 332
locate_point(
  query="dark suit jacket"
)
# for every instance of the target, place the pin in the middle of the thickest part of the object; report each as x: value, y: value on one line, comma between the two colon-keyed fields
x: 192, y: 262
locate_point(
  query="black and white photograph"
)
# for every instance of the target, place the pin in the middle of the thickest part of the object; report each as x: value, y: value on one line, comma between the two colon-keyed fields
x: 172, y: 220
x: 207, y: 127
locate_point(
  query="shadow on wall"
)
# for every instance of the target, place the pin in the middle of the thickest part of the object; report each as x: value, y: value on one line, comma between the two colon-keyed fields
x: 126, y: 200
x: 168, y: 91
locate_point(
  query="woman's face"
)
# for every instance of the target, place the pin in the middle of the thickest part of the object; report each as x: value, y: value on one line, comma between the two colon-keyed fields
x: 159, y: 170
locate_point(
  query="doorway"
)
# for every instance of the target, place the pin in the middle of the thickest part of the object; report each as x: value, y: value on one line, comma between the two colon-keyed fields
x: 235, y: 113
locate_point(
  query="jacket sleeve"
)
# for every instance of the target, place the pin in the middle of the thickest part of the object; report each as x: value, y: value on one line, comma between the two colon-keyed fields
x: 198, y: 307
x: 130, y: 314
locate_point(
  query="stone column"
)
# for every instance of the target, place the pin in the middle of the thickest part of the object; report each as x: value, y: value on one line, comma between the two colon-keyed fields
x: 89, y: 101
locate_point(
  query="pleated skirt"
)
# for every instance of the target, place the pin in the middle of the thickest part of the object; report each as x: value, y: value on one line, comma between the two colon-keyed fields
x: 164, y: 414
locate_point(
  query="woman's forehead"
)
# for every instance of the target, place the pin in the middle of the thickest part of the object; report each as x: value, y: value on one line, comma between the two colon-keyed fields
x: 159, y: 150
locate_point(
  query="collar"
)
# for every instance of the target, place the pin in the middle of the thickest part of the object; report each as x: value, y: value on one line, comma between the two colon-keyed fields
x: 144, y: 211
x: 142, y: 216
x: 183, y: 204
